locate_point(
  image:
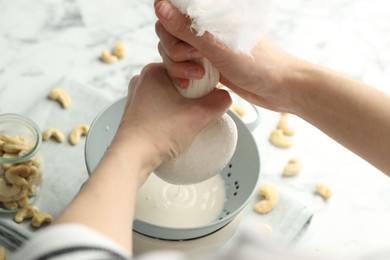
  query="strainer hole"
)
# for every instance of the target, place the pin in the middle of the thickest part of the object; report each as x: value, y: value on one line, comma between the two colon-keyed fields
x: 236, y: 183
x: 237, y: 187
x: 229, y: 174
x: 235, y: 194
x: 230, y: 165
x: 227, y: 213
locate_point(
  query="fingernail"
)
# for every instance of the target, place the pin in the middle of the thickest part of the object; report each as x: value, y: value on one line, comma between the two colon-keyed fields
x: 194, y: 54
x: 193, y: 73
x: 166, y: 10
x: 181, y: 83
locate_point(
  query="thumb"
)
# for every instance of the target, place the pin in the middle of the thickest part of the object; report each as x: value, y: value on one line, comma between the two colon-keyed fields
x: 179, y: 25
x: 215, y: 104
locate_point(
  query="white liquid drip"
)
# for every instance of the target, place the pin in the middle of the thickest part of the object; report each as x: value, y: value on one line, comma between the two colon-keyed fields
x: 164, y: 204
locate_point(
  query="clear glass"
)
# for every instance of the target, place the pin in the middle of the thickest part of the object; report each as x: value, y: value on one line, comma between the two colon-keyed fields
x: 20, y: 162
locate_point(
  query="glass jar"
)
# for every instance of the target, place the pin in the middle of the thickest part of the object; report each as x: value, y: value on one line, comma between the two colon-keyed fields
x: 20, y: 161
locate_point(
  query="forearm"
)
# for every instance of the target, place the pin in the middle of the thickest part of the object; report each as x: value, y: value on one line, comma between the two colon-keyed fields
x: 352, y: 113
x: 107, y: 200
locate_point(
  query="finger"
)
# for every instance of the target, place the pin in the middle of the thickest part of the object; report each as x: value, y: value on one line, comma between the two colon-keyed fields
x: 179, y: 26
x: 215, y: 104
x: 133, y: 82
x: 156, y: 2
x: 181, y: 83
x: 176, y: 49
x: 131, y: 88
x: 185, y: 70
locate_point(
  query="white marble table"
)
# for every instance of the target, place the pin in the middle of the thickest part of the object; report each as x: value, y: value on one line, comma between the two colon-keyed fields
x: 43, y: 41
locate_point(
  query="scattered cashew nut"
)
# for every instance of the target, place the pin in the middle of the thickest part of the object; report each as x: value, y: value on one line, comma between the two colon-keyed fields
x: 54, y: 133
x: 61, y: 96
x: 283, y: 125
x: 271, y: 198
x: 324, y: 191
x: 106, y: 57
x: 41, y: 218
x: 77, y: 132
x: 119, y: 50
x: 292, y: 168
x: 25, y: 213
x: 238, y: 110
x: 278, y: 139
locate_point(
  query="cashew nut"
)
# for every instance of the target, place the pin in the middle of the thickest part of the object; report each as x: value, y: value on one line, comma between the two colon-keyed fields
x: 12, y: 139
x: 271, y: 198
x: 10, y: 205
x: 106, y: 57
x: 17, y: 180
x: 13, y: 144
x: 3, y: 253
x: 23, y: 202
x: 283, y: 125
x: 324, y: 191
x: 22, y: 174
x: 25, y: 213
x: 7, y: 191
x: 32, y: 191
x: 119, y: 50
x: 77, y: 132
x: 53, y: 133
x: 41, y: 218
x: 61, y: 96
x: 17, y: 174
x: 238, y: 110
x: 278, y: 139
x: 18, y: 196
x: 292, y: 167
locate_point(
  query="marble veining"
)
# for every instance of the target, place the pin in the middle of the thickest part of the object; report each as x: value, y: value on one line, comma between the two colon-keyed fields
x: 42, y: 41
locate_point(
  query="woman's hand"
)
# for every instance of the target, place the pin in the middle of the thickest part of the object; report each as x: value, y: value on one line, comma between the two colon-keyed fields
x: 161, y: 119
x: 276, y: 80
x: 259, y: 79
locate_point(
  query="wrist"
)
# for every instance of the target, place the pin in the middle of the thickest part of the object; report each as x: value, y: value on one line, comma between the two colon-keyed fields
x: 134, y: 150
x: 300, y: 78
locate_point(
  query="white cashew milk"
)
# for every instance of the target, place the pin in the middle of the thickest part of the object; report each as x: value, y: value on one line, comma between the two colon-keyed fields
x: 180, y: 206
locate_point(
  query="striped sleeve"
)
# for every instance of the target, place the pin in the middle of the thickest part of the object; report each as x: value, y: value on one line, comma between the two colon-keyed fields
x: 69, y: 241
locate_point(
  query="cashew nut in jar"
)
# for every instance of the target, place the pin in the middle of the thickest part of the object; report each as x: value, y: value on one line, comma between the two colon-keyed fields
x: 22, y: 175
x: 20, y: 161
x: 8, y: 191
